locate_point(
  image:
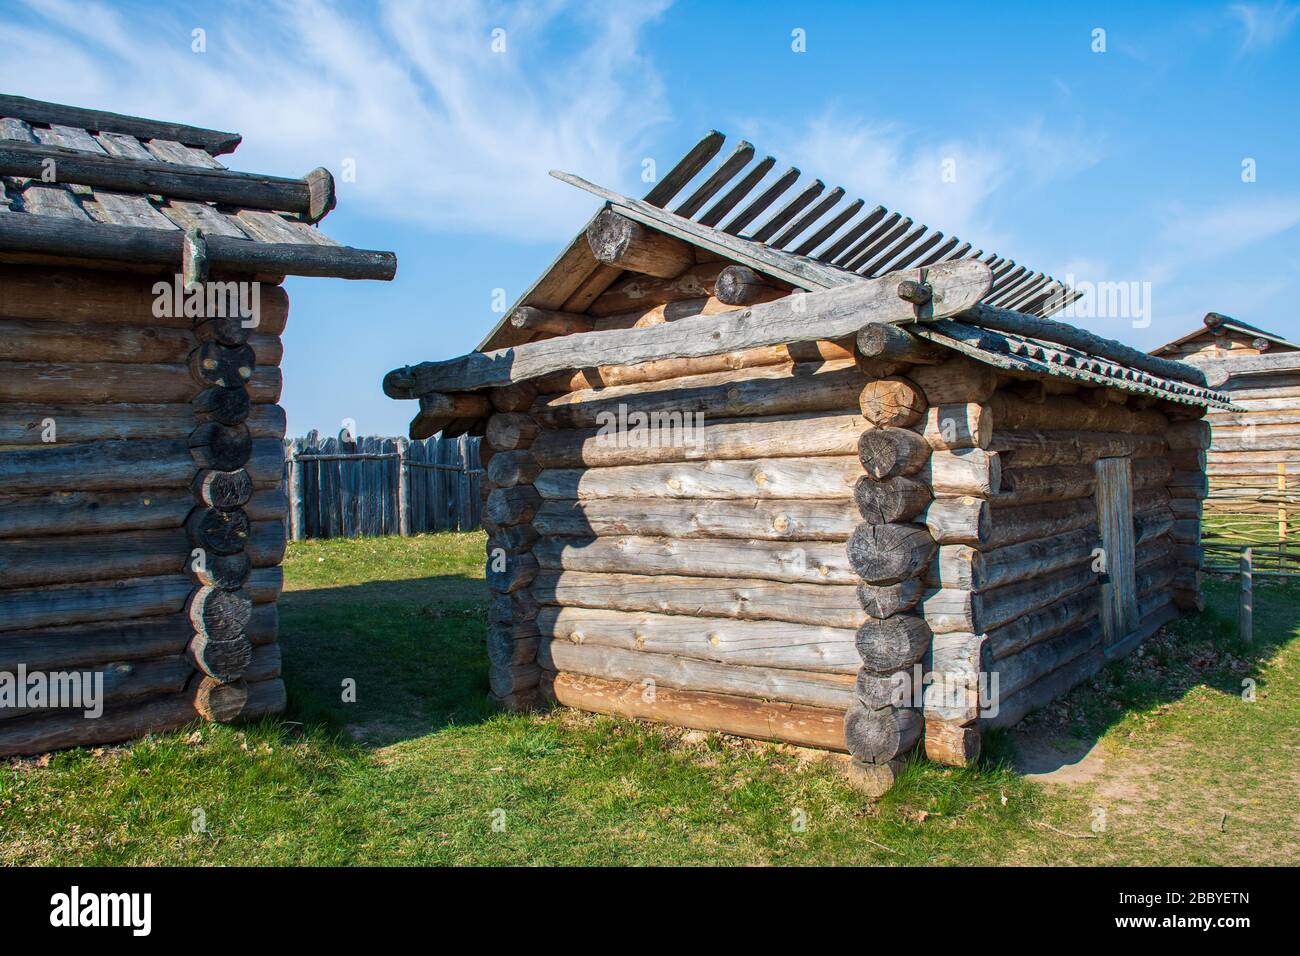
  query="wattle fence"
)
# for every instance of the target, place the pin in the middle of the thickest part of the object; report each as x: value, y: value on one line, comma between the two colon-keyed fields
x: 352, y: 487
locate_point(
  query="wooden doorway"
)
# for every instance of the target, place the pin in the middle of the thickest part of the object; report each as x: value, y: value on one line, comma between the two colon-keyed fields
x: 1119, y: 612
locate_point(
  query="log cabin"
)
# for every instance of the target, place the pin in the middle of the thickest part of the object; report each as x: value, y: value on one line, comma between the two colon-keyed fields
x: 141, y: 443
x: 1253, y: 463
x: 768, y: 463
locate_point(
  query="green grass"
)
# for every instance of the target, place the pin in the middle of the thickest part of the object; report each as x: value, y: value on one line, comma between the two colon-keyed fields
x: 419, y: 769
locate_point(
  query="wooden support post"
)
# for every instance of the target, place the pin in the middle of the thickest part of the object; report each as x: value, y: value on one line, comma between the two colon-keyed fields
x: 403, y: 490
x: 1281, y: 505
x: 1246, y: 607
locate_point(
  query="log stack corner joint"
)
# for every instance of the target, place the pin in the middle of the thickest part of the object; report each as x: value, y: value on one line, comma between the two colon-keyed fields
x: 141, y: 459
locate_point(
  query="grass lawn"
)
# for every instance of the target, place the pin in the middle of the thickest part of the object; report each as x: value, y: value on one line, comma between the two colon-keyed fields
x: 419, y: 770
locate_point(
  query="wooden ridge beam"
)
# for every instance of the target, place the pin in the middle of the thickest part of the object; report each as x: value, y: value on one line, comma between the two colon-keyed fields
x: 211, y: 141
x: 829, y: 314
x: 168, y: 179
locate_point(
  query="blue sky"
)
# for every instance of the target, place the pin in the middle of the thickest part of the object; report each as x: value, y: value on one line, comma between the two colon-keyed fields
x: 1115, y: 166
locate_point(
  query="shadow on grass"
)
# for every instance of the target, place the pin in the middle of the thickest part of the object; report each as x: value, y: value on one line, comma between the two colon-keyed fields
x: 1195, y: 650
x: 385, y: 661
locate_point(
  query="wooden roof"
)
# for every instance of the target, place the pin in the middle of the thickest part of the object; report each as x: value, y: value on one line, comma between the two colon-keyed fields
x: 1216, y: 323
x: 807, y: 235
x: 86, y: 184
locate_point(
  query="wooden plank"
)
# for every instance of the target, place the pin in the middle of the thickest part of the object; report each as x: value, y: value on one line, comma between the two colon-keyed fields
x: 823, y: 315
x: 1114, y: 496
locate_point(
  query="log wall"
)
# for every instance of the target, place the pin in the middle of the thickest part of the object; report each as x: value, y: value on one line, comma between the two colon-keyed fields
x: 141, y: 508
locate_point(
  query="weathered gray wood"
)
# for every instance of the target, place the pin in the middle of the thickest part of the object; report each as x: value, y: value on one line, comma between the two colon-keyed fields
x: 959, y: 425
x: 822, y: 315
x: 1119, y: 614
x: 960, y: 520
x: 890, y: 644
x: 665, y: 439
x: 878, y: 736
x: 1033, y: 449
x: 71, y: 239
x: 811, y: 562
x: 771, y: 520
x: 788, y: 478
x: 1049, y: 330
x: 153, y: 177
x: 38, y: 111
x: 892, y: 403
x: 741, y: 285
x: 892, y: 343
x: 793, y: 646
x: 963, y: 471
x: 886, y: 600
x: 618, y: 241
x: 697, y: 598
x: 767, y: 683
x: 892, y: 500
x: 887, y: 553
x: 965, y: 568
x: 889, y: 452
x: 956, y: 381
x: 548, y: 320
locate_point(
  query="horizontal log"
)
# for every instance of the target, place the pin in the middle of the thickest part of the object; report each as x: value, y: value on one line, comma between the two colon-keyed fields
x: 957, y: 380
x: 1047, y: 622
x: 1012, y: 708
x: 948, y: 610
x: 507, y: 431
x: 118, y: 683
x: 1033, y: 449
x: 668, y: 437
x: 962, y: 520
x: 39, y: 734
x: 438, y: 410
x: 509, y: 645
x: 1017, y: 671
x: 84, y: 645
x: 877, y: 736
x: 951, y: 742
x: 81, y: 240
x: 1015, y: 525
x: 891, y: 343
x: 28, y: 608
x: 1250, y: 367
x: 67, y: 559
x: 211, y: 141
x: 510, y: 468
x: 547, y: 320
x: 721, y: 713
x: 775, y: 644
x: 512, y: 506
x: 887, y: 553
x: 788, y: 478
x: 742, y: 599
x: 892, y: 403
x: 964, y: 471
x: 809, y: 562
x: 889, y: 452
x: 962, y: 567
x: 786, y: 354
x: 766, y: 391
x: 769, y: 520
x: 118, y: 465
x: 679, y: 673
x: 99, y: 298
x: 619, y: 241
x: 1066, y: 412
x: 115, y: 383
x: 23, y: 340
x: 830, y: 314
x: 955, y: 661
x: 959, y: 425
x: 67, y: 513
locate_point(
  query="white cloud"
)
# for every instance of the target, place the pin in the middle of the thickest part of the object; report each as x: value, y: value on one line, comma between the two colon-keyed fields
x: 1263, y: 25
x: 444, y: 131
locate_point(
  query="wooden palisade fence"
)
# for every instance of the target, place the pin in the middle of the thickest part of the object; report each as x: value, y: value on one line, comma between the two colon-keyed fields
x: 348, y: 487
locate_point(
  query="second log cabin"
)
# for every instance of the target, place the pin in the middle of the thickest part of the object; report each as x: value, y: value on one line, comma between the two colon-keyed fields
x: 792, y: 468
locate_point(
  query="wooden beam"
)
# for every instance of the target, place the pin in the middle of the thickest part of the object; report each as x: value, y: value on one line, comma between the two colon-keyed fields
x: 74, y: 239
x: 35, y: 111
x: 547, y: 320
x: 619, y: 241
x: 1049, y: 330
x: 741, y: 285
x: 830, y: 314
x: 168, y: 179
x: 1218, y: 371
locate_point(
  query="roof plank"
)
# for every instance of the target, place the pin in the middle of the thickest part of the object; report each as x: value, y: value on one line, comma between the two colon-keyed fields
x: 212, y: 141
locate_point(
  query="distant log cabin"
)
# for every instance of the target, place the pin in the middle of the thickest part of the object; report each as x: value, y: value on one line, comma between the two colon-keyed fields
x: 1254, y: 456
x: 141, y: 446
x: 782, y: 466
